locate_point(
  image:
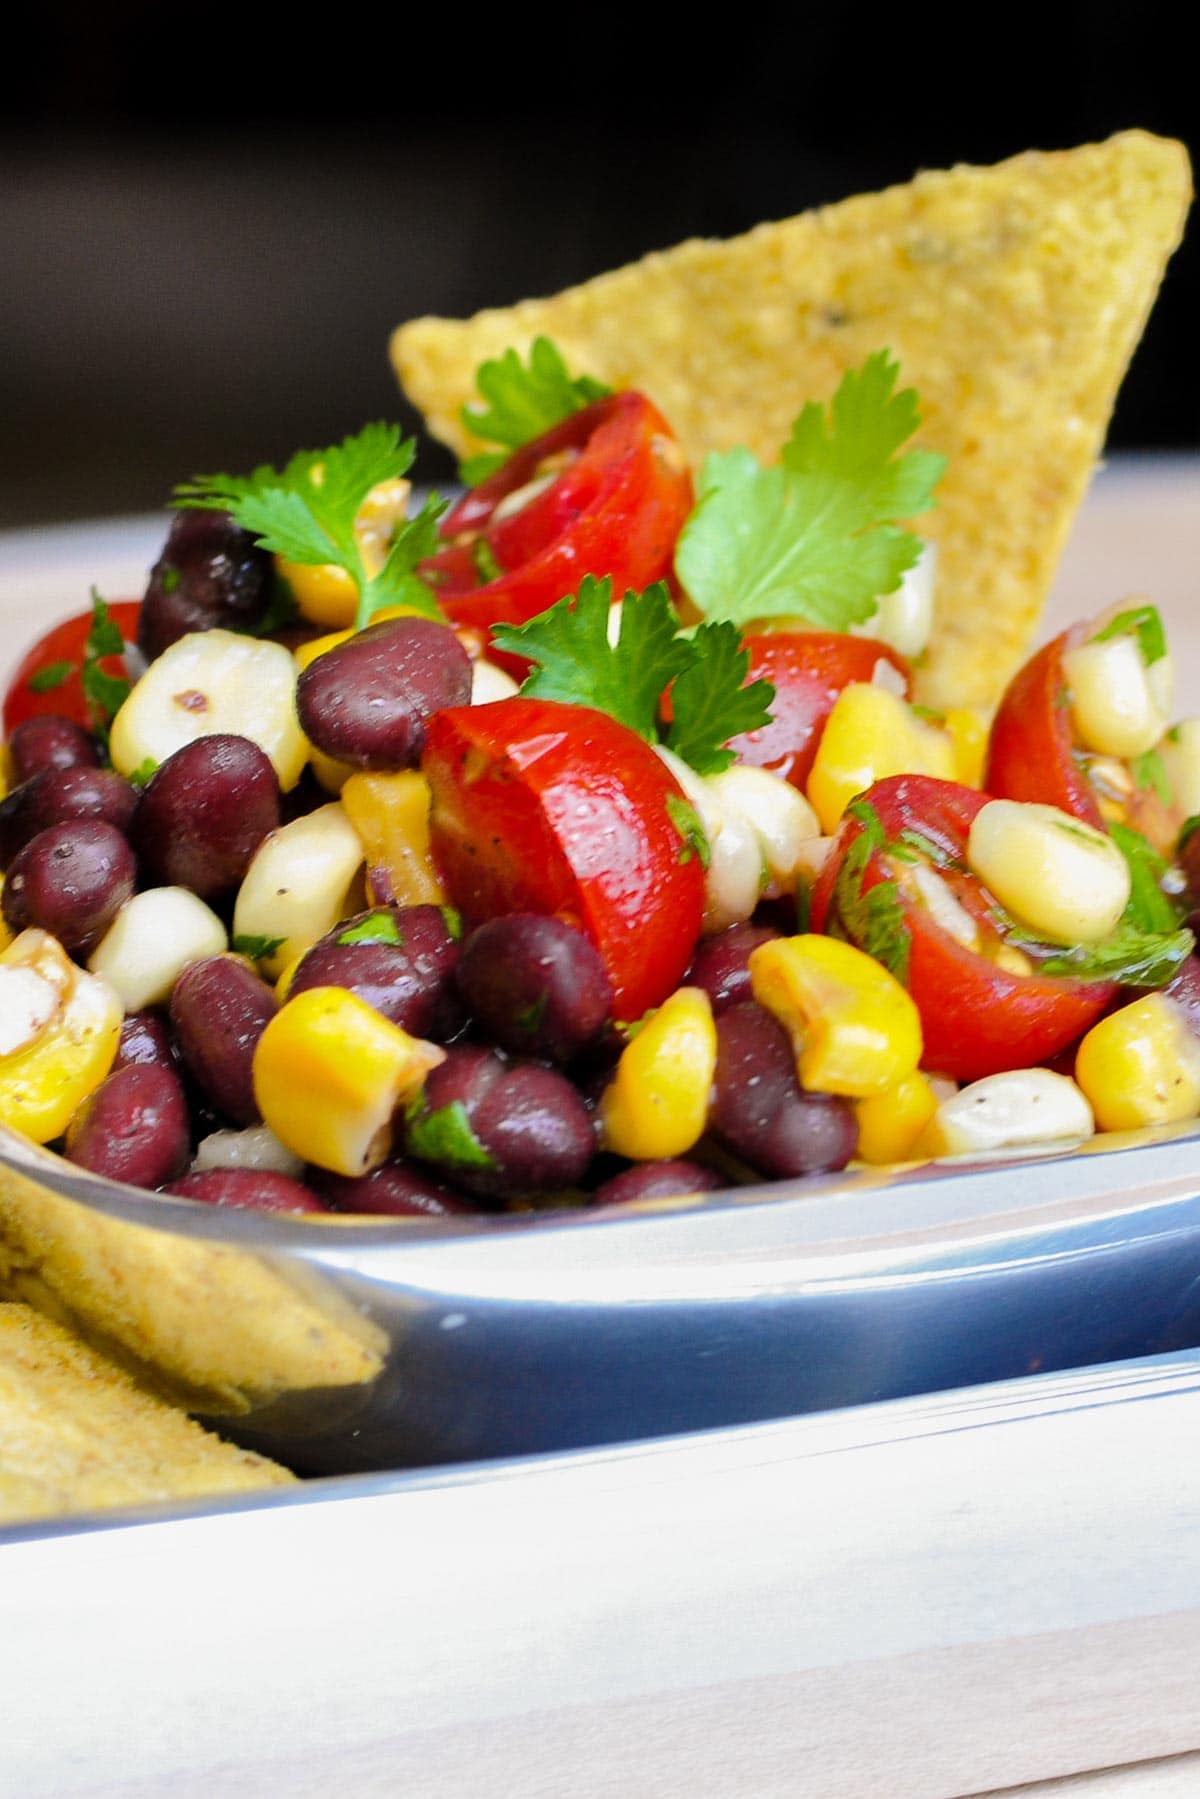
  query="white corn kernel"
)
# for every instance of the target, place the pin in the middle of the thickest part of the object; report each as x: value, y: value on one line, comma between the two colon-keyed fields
x: 943, y: 908
x: 1119, y: 705
x: 733, y: 880
x: 1017, y: 1110
x: 1180, y: 752
x: 1066, y: 881
x: 210, y: 682
x: 904, y: 618
x: 490, y: 682
x: 778, y: 814
x: 255, y: 1147
x: 296, y: 886
x: 152, y: 940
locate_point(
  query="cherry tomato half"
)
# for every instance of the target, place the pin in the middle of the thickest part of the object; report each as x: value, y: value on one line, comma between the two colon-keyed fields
x: 544, y: 807
x: 46, y: 680
x: 977, y: 1017
x: 808, y: 670
x: 615, y: 497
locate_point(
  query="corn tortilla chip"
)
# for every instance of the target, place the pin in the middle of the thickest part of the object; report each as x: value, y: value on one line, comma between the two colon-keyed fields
x: 1013, y: 296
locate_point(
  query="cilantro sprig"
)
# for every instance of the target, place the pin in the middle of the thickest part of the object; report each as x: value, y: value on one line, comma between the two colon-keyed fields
x: 708, y: 700
x: 816, y: 536
x: 104, y: 693
x: 306, y: 512
x: 520, y: 400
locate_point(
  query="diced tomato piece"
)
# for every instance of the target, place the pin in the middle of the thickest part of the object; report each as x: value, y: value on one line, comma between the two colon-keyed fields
x: 808, y: 670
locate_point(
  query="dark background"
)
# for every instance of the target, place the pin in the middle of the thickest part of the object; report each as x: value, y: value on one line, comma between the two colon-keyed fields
x: 210, y: 224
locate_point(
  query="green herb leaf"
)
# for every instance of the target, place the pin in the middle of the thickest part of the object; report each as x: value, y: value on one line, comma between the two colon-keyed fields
x: 105, y: 694
x: 1142, y: 622
x: 257, y: 949
x: 576, y: 664
x: 144, y: 773
x: 45, y: 680
x: 684, y: 816
x: 1150, y: 908
x: 1149, y: 770
x: 445, y: 1136
x: 306, y: 512
x: 817, y: 536
x: 871, y: 917
x: 376, y: 927
x: 521, y: 400
x: 1130, y: 956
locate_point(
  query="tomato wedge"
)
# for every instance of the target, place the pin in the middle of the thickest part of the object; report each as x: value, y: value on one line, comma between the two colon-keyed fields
x: 977, y: 1017
x: 47, y: 678
x: 607, y: 494
x: 808, y: 670
x: 543, y: 807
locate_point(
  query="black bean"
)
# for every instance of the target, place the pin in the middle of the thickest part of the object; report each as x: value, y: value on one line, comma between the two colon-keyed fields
x: 250, y: 1189
x: 500, y: 1129
x: 760, y: 1112
x: 134, y: 1127
x: 210, y: 573
x: 57, y: 794
x: 203, y: 814
x: 366, y: 700
x: 71, y: 880
x: 721, y: 964
x: 536, y: 986
x: 219, y: 1010
x: 145, y: 1038
x: 50, y: 741
x: 396, y: 1190
x: 656, y: 1180
x: 399, y: 959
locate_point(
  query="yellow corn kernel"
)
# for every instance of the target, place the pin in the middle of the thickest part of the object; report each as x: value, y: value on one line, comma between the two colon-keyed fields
x: 1140, y: 1065
x: 889, y: 1123
x: 968, y: 733
x: 854, y: 1029
x: 59, y: 1030
x: 329, y: 1072
x: 327, y: 594
x: 390, y: 812
x: 657, y: 1102
x: 869, y: 734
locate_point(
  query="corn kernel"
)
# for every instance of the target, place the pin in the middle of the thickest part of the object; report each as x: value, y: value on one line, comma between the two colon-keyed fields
x: 854, y: 1029
x: 390, y: 813
x: 327, y: 594
x: 151, y: 941
x: 656, y: 1105
x: 1015, y: 1110
x: 1120, y: 705
x: 1180, y: 752
x: 904, y: 617
x: 61, y: 1031
x: 298, y: 884
x: 1067, y: 881
x: 329, y: 1073
x: 969, y: 735
x: 889, y: 1123
x: 870, y: 734
x: 1140, y: 1066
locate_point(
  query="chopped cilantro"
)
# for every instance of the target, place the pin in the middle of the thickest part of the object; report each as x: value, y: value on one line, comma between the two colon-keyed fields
x: 686, y: 820
x: 144, y: 773
x: 816, y: 536
x: 1131, y: 956
x: 1142, y: 622
x: 871, y: 917
x: 1150, y: 908
x: 1149, y: 770
x: 376, y: 927
x: 45, y: 680
x: 306, y: 512
x: 445, y: 1136
x: 520, y: 401
x: 257, y: 949
x: 705, y: 671
x: 105, y: 694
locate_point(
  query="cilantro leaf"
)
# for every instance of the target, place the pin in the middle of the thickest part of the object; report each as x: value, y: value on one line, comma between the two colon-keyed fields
x: 816, y: 536
x: 306, y: 512
x: 105, y: 693
x: 520, y: 401
x: 444, y: 1135
x: 578, y: 665
x: 375, y: 927
x: 256, y: 949
x: 1132, y: 956
x: 1142, y: 622
x: 45, y: 680
x: 1150, y: 908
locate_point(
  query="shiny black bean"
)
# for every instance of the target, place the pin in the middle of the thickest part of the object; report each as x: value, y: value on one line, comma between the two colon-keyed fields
x: 656, y: 1180
x: 210, y: 573
x: 500, y: 1129
x: 536, y: 986
x: 134, y: 1127
x: 366, y: 700
x: 399, y: 959
x: 249, y: 1189
x: 721, y: 964
x: 57, y: 794
x: 50, y: 741
x: 759, y: 1111
x: 71, y: 880
x: 219, y: 1010
x: 145, y: 1039
x: 396, y: 1190
x: 203, y: 814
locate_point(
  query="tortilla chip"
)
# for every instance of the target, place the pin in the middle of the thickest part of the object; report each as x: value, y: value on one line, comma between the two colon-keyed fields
x: 1013, y: 297
x: 78, y: 1433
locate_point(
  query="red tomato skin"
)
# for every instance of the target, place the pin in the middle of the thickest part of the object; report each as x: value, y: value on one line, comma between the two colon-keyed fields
x: 616, y: 510
x: 544, y: 807
x: 808, y: 670
x: 63, y: 642
x: 977, y: 1019
x: 1031, y: 744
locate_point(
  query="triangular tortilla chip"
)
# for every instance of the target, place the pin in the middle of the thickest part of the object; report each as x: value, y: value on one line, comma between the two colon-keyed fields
x: 1013, y: 296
